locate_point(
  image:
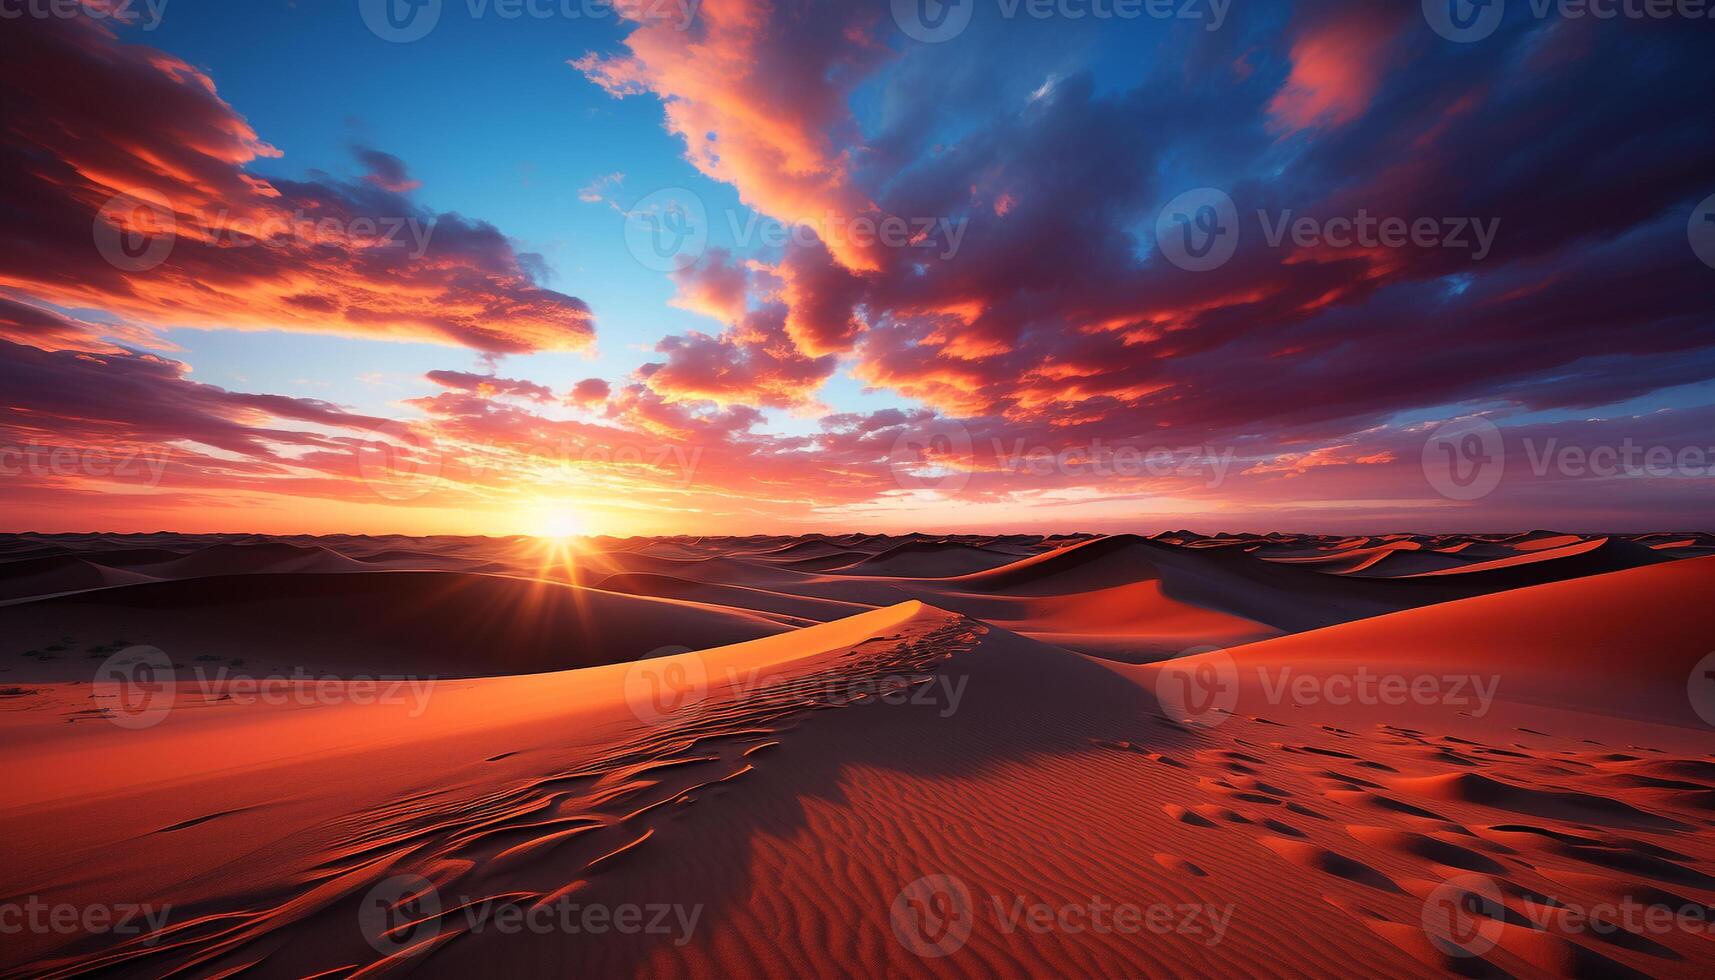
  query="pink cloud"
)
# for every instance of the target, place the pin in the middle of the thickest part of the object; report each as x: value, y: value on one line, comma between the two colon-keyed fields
x: 1336, y: 65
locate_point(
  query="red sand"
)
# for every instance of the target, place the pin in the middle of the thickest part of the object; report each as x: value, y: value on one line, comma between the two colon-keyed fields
x: 924, y: 771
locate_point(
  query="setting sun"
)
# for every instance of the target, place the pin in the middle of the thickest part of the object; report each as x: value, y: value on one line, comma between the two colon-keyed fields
x: 555, y: 519
x: 561, y: 524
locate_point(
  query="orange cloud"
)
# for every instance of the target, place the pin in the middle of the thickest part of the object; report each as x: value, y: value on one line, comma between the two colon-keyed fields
x: 136, y: 201
x: 760, y: 103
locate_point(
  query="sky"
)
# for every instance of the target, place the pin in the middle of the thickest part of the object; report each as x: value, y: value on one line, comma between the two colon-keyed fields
x: 670, y: 266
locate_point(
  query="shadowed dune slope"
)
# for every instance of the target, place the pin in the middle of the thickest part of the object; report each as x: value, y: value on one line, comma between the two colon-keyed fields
x: 928, y: 559
x: 52, y: 574
x: 1621, y: 643
x: 444, y: 623
x: 1285, y: 596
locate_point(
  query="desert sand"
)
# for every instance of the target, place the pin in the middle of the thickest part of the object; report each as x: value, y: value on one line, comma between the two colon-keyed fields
x: 860, y: 755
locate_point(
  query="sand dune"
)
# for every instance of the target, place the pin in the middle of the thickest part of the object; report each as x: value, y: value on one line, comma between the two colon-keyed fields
x: 1620, y: 643
x: 253, y: 559
x: 927, y: 559
x: 52, y: 574
x: 442, y: 623
x: 896, y: 791
x: 804, y: 608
